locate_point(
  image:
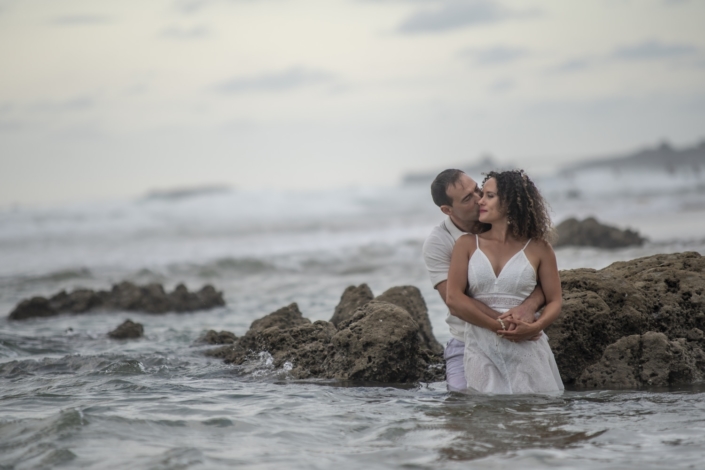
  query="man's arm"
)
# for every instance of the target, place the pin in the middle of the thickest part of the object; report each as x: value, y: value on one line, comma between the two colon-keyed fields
x: 473, y: 306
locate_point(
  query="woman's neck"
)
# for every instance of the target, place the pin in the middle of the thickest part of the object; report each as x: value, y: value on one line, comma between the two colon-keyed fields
x: 499, y: 231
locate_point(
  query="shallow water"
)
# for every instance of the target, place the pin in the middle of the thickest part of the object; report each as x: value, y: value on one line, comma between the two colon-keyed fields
x: 72, y: 397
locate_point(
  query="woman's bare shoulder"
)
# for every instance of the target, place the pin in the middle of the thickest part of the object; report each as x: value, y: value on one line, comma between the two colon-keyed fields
x: 540, y: 248
x: 465, y: 242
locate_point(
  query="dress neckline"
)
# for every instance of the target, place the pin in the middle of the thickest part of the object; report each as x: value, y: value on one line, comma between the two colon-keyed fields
x: 497, y: 276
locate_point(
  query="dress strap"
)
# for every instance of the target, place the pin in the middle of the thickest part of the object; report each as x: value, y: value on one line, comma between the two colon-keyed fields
x: 477, y: 242
x: 527, y: 244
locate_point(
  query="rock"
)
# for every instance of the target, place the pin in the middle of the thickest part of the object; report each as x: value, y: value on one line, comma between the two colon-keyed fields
x: 215, y: 337
x: 410, y: 299
x: 661, y: 294
x: 590, y: 232
x: 380, y: 342
x: 352, y: 299
x: 285, y: 317
x: 122, y: 297
x: 128, y: 330
x: 34, y: 307
x: 648, y: 359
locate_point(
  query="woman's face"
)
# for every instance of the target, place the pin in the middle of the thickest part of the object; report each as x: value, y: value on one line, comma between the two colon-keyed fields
x: 490, y: 210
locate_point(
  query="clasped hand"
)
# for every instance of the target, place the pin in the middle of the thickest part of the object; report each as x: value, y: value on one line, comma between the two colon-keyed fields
x: 519, y: 326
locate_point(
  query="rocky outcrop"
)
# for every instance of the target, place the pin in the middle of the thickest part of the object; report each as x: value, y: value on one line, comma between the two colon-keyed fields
x: 122, y: 297
x: 352, y: 299
x: 634, y: 323
x: 127, y: 330
x: 410, y: 299
x: 407, y: 297
x: 216, y: 337
x: 590, y: 232
x: 378, y: 341
x: 650, y: 359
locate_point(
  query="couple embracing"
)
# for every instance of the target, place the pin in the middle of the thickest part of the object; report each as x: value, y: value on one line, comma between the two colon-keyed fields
x: 492, y: 264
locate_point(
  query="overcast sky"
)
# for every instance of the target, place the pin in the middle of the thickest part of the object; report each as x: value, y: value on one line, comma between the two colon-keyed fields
x: 110, y: 99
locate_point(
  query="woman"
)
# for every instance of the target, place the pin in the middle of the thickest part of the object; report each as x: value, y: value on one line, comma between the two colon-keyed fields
x: 500, y: 267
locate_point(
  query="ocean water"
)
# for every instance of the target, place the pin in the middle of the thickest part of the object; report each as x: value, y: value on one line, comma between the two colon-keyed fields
x: 71, y: 397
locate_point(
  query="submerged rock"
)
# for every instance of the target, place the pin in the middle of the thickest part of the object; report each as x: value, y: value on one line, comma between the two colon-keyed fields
x: 590, y: 232
x: 622, y: 323
x: 376, y: 341
x: 127, y: 330
x: 124, y: 297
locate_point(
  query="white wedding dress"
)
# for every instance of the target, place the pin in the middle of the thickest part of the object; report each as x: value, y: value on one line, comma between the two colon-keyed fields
x: 494, y: 364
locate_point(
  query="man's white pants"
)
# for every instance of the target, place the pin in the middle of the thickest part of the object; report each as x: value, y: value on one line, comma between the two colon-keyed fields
x: 455, y: 369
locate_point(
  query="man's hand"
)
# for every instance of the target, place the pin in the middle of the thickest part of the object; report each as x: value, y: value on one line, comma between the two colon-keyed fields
x: 520, y: 313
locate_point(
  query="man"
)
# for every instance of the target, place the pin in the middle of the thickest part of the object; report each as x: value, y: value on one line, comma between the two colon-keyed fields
x: 457, y: 195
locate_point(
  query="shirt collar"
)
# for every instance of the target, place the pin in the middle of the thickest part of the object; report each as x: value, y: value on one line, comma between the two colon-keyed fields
x: 454, y: 231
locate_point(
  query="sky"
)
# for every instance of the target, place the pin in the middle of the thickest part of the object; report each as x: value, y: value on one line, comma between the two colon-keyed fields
x: 111, y: 99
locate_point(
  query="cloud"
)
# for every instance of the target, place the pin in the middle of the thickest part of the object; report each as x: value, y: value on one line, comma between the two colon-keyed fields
x: 495, y: 55
x: 81, y: 20
x: 502, y: 86
x: 195, y: 6
x: 174, y: 32
x: 9, y: 126
x: 675, y: 2
x: 77, y: 103
x: 190, y: 6
x: 455, y: 14
x: 571, y: 65
x: 295, y: 77
x: 653, y: 50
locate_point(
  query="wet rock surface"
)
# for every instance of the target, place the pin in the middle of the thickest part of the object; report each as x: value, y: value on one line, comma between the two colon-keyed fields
x: 217, y: 337
x: 377, y: 341
x: 127, y: 330
x: 590, y: 232
x: 650, y: 359
x: 353, y: 297
x: 151, y: 298
x: 632, y: 324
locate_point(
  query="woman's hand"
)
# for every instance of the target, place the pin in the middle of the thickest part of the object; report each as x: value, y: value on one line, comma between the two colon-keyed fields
x: 518, y: 330
x: 519, y: 315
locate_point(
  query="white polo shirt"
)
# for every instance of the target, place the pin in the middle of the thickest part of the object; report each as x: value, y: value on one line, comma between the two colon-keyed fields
x: 437, y: 251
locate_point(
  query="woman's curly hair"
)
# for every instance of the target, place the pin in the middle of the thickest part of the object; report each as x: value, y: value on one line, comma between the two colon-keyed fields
x: 527, y: 211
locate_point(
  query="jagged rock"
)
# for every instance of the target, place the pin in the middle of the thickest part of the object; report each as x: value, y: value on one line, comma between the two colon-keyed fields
x: 123, y: 297
x: 662, y: 294
x: 285, y: 317
x: 590, y: 232
x: 352, y: 299
x: 648, y: 359
x: 127, y: 330
x: 215, y: 337
x: 410, y: 299
x: 381, y: 342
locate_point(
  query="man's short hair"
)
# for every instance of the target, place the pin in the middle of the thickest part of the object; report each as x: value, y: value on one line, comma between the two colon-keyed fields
x: 439, y: 187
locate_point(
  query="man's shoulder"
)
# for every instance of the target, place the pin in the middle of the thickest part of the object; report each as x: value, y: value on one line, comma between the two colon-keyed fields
x: 439, y: 233
x: 439, y: 238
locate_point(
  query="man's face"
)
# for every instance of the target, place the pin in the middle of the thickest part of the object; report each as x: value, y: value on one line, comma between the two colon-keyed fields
x: 465, y: 194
